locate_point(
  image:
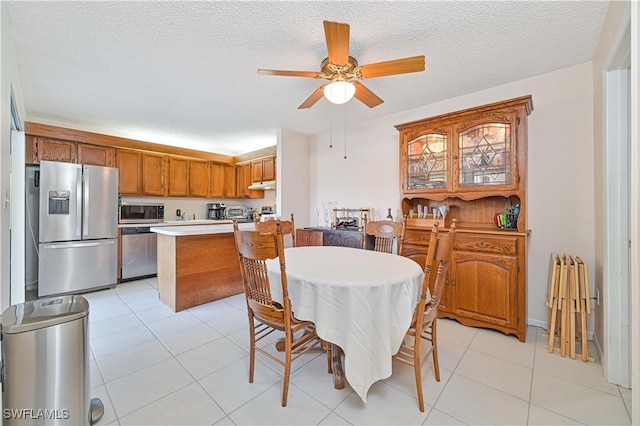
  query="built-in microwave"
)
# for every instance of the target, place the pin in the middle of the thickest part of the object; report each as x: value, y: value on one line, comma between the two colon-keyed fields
x: 141, y: 213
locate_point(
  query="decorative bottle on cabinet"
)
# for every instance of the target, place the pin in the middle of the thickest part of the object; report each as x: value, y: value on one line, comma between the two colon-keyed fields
x: 389, y: 216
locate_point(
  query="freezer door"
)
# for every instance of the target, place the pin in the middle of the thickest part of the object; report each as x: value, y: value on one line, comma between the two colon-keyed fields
x: 60, y: 201
x: 74, y: 267
x: 100, y: 209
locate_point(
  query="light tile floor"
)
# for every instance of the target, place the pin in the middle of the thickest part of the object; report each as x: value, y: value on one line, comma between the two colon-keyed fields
x: 152, y: 366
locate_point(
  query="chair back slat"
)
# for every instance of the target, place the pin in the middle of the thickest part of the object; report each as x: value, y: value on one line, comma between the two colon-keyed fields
x: 384, y: 234
x: 254, y: 248
x: 435, y: 272
x: 287, y: 227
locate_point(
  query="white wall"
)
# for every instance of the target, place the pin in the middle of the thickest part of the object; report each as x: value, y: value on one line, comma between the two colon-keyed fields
x: 8, y: 81
x: 292, y: 176
x: 560, y: 168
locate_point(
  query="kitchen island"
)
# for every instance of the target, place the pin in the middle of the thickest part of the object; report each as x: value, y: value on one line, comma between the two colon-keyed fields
x: 197, y: 264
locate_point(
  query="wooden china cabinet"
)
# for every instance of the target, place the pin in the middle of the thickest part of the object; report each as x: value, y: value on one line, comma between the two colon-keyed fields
x: 474, y: 163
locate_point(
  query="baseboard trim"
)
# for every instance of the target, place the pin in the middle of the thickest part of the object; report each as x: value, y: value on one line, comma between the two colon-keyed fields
x: 544, y: 325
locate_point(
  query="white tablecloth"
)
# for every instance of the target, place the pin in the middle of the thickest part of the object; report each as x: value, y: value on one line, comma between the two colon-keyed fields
x: 360, y: 300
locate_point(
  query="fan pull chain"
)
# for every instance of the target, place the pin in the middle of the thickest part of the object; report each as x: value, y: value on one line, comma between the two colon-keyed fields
x: 330, y: 127
x: 345, y: 130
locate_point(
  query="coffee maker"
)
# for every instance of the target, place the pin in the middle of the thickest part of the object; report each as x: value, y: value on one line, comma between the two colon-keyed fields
x: 215, y: 211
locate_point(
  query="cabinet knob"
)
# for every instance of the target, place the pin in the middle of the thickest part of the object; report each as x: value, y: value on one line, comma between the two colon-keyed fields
x: 481, y: 244
x: 453, y: 282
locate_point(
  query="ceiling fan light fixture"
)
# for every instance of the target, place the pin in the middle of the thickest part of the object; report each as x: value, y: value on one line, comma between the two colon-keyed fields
x: 339, y: 92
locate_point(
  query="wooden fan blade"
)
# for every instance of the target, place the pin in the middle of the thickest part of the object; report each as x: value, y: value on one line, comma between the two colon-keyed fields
x: 397, y: 66
x: 315, y: 97
x: 337, y: 37
x: 310, y: 74
x: 366, y: 96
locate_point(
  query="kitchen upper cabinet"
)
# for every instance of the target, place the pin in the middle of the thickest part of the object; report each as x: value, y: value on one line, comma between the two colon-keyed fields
x: 153, y: 174
x: 129, y: 171
x: 263, y: 169
x: 199, y: 178
x: 230, y: 186
x: 244, y: 179
x: 308, y: 237
x: 178, y: 177
x: 223, y: 181
x: 53, y: 150
x: 96, y: 155
x: 217, y: 183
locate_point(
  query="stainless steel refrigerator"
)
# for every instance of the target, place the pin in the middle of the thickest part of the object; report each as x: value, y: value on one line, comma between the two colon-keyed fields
x: 78, y: 228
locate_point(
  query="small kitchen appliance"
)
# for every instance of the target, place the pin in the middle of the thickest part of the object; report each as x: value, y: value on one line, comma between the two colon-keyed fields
x: 240, y: 213
x: 215, y: 211
x: 141, y: 213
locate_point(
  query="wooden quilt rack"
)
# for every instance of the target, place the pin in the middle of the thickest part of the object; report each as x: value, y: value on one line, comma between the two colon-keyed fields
x: 569, y: 303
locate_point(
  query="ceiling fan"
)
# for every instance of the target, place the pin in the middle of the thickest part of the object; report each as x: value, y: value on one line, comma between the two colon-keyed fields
x: 343, y: 72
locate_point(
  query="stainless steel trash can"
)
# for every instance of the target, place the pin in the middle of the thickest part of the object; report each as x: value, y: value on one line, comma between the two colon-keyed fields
x: 45, y: 362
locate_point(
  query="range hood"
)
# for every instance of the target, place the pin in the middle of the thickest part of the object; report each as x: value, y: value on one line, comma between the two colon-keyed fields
x: 267, y: 184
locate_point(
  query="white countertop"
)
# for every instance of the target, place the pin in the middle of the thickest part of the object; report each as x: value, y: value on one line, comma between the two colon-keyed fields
x: 217, y: 228
x: 189, y: 222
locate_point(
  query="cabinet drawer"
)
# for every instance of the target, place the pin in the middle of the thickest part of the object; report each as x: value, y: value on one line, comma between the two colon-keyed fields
x: 412, y: 236
x: 486, y: 243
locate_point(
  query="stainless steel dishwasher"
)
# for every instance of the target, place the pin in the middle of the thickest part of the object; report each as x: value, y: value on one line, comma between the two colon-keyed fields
x: 139, y: 252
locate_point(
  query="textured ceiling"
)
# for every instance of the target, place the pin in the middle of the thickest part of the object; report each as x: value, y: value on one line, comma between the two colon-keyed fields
x: 184, y: 73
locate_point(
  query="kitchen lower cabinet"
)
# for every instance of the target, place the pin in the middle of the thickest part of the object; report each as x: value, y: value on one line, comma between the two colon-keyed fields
x: 485, y: 286
x: 307, y: 237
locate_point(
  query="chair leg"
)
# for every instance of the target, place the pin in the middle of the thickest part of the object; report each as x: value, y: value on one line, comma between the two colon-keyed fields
x: 287, y: 369
x: 327, y: 347
x: 417, y: 344
x: 252, y: 347
x: 434, y: 342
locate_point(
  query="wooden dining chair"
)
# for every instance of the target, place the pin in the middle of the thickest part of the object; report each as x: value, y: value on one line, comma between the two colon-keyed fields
x: 265, y: 314
x: 381, y: 235
x: 425, y: 316
x: 269, y: 227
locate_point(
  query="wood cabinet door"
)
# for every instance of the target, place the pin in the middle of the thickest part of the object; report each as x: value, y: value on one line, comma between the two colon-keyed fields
x: 153, y: 174
x: 484, y: 287
x: 56, y: 150
x: 269, y: 168
x: 308, y: 237
x: 229, y: 182
x: 256, y: 171
x: 129, y: 171
x: 217, y: 180
x: 178, y: 177
x: 96, y: 155
x: 199, y: 178
x: 241, y: 187
x: 250, y: 193
x: 485, y: 153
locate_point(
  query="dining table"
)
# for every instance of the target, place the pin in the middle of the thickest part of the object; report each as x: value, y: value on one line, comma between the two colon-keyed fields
x: 361, y: 301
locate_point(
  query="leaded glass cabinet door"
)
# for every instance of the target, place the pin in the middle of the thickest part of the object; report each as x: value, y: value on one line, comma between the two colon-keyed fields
x: 428, y: 165
x: 485, y: 155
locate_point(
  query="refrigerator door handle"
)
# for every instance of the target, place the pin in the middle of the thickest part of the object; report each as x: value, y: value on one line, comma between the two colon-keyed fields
x: 78, y: 202
x: 79, y: 244
x: 85, y: 207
